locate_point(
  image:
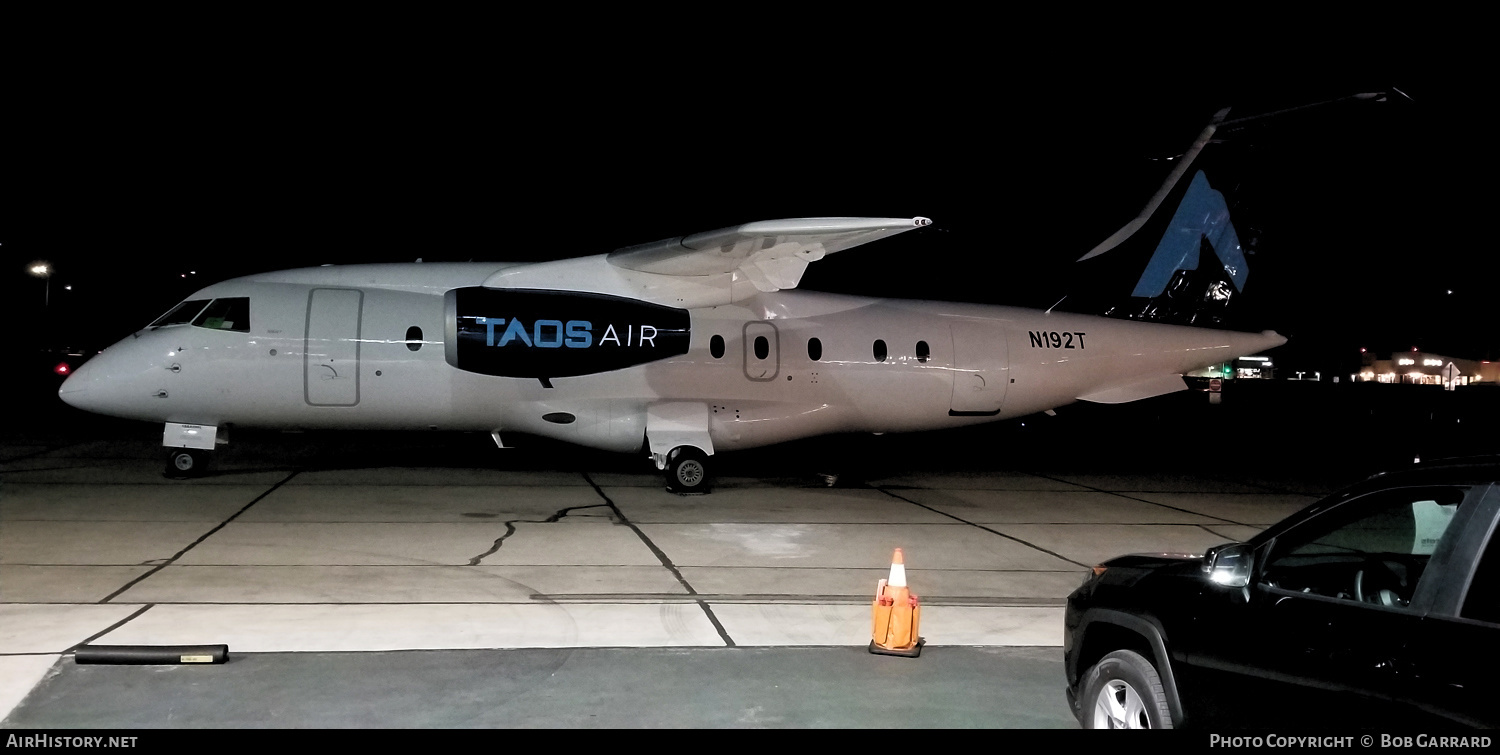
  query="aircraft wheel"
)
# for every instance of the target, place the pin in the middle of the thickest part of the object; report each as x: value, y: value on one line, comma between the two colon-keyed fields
x: 183, y: 463
x: 687, y: 471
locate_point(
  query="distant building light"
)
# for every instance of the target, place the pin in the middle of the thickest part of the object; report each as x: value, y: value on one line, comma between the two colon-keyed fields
x: 1433, y: 362
x: 1405, y: 361
x: 1256, y: 359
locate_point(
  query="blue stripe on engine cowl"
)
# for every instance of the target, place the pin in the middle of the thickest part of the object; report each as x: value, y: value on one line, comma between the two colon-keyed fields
x: 1202, y: 213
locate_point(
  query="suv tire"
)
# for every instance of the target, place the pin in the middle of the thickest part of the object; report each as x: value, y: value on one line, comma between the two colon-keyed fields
x: 1123, y: 691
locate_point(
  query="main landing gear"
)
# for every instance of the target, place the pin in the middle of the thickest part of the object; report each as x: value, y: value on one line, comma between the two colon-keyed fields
x: 679, y: 443
x: 687, y: 471
x: 186, y: 463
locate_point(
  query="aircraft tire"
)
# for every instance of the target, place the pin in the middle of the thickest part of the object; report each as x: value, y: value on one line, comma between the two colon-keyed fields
x: 184, y: 463
x: 687, y: 471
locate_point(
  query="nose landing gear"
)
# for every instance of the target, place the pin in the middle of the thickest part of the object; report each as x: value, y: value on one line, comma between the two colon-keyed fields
x: 186, y: 463
x: 188, y: 448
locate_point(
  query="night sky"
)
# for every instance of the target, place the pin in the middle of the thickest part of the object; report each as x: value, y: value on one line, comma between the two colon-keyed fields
x: 1366, y: 215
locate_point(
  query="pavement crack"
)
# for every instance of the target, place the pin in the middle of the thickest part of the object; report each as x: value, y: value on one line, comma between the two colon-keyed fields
x: 510, y: 528
x: 564, y: 512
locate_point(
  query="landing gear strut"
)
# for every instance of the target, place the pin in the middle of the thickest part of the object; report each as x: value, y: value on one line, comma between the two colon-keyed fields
x: 687, y: 471
x: 183, y: 463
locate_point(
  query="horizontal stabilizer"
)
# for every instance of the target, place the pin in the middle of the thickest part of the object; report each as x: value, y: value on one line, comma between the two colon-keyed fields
x: 771, y: 253
x: 1157, y: 385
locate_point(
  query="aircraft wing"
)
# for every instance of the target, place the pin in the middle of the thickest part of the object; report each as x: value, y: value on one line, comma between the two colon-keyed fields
x: 772, y: 253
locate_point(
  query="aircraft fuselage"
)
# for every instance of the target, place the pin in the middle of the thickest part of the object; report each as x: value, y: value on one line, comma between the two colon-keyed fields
x: 379, y: 347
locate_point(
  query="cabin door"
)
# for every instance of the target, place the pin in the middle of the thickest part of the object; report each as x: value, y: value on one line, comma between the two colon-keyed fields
x: 331, y: 353
x: 980, y: 362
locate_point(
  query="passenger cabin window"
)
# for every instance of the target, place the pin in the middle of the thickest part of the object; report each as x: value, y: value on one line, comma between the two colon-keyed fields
x: 184, y: 312
x: 923, y: 352
x: 814, y: 349
x: 716, y: 346
x: 880, y: 351
x: 1372, y: 549
x: 226, y: 314
x: 762, y: 347
x: 413, y: 338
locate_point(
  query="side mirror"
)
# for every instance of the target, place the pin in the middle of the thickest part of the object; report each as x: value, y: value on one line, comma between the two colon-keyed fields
x: 1229, y: 564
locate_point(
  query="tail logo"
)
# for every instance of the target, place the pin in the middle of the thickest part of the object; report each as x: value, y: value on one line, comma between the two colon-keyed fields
x: 1202, y: 218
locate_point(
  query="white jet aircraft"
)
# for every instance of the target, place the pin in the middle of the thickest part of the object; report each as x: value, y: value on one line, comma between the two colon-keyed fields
x: 682, y: 348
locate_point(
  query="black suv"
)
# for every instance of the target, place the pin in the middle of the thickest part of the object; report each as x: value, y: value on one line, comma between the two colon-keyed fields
x: 1378, y: 607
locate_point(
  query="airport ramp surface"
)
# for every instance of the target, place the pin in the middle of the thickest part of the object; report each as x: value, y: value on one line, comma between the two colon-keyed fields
x: 309, y: 565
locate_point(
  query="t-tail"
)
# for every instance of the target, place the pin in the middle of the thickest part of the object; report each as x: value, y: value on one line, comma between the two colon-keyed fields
x: 1187, y: 251
x: 1194, y: 261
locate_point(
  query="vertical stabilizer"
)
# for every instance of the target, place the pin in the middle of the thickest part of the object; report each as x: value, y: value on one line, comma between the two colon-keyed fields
x: 1182, y: 251
x: 1188, y: 159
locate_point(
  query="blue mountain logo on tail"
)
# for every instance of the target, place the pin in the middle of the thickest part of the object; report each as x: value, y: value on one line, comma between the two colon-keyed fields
x: 548, y: 334
x: 1203, y: 215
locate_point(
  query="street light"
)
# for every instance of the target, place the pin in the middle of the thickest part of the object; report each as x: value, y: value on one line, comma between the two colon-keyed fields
x: 43, y: 270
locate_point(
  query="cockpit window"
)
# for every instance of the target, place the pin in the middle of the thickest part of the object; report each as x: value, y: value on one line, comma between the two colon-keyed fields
x: 181, y: 313
x: 226, y: 314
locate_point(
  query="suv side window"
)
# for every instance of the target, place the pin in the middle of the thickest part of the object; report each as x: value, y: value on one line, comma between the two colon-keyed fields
x: 1482, y: 603
x: 1371, y: 549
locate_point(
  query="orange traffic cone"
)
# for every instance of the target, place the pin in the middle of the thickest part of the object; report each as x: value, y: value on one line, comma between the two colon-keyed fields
x: 896, y: 615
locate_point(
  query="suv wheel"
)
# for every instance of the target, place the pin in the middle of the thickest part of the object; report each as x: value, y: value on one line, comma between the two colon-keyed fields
x: 1123, y: 691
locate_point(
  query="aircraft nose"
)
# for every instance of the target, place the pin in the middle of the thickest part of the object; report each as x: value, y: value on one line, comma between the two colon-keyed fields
x: 74, y: 390
x: 91, y: 387
x: 112, y: 382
